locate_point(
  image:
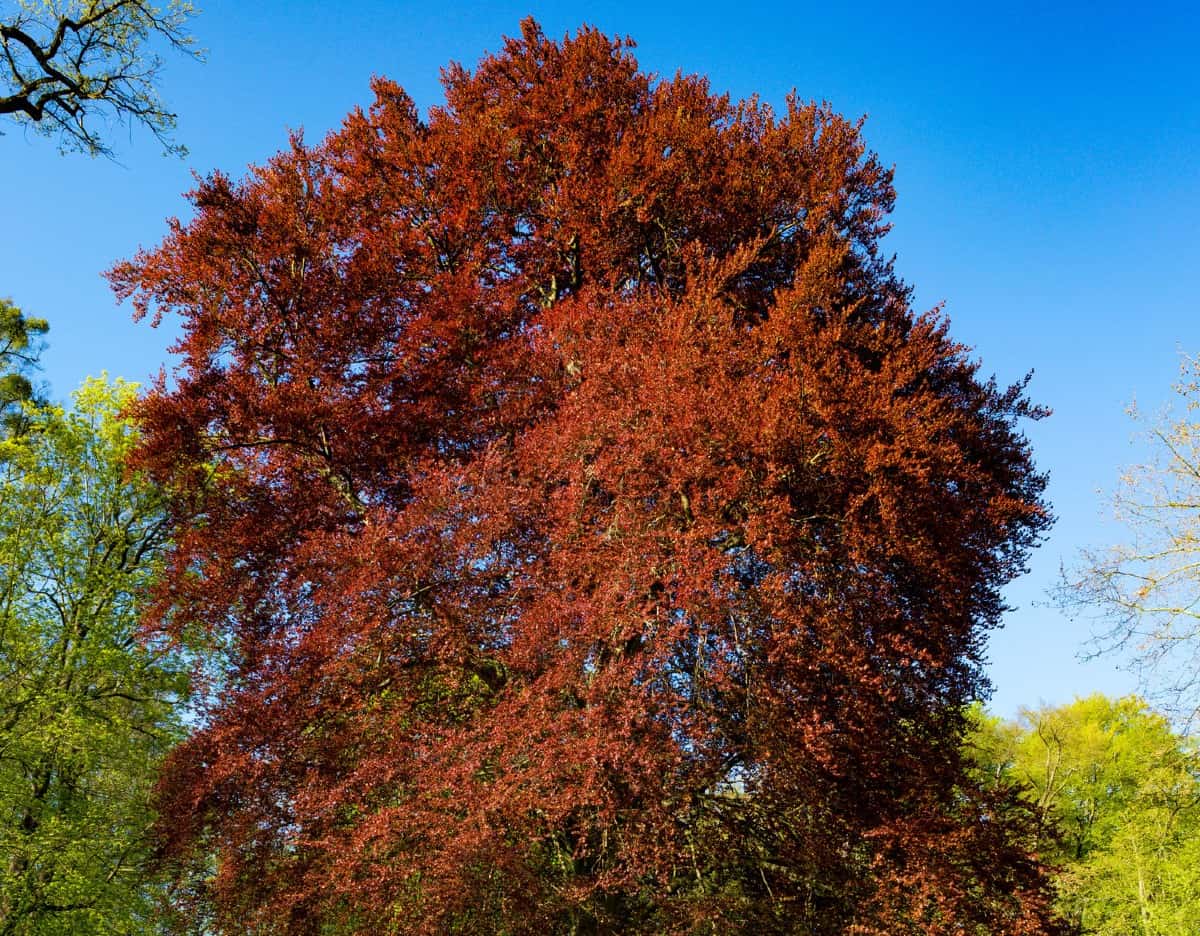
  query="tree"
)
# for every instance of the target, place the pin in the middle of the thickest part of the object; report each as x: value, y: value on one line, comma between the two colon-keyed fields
x: 69, y: 65
x: 1146, y: 592
x: 86, y: 712
x: 600, y: 542
x: 1117, y: 795
x: 19, y: 347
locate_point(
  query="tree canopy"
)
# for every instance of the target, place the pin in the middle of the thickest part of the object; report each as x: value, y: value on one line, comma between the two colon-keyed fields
x: 86, y: 712
x: 599, y: 540
x: 72, y: 68
x: 1117, y: 795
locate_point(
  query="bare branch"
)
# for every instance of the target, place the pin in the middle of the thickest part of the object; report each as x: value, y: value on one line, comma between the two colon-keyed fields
x: 1145, y: 593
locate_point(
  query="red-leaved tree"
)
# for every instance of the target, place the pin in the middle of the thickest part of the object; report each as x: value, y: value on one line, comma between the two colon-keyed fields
x: 597, y: 541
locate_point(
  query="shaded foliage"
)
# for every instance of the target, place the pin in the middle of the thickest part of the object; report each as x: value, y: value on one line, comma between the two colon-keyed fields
x: 600, y: 542
x: 20, y: 338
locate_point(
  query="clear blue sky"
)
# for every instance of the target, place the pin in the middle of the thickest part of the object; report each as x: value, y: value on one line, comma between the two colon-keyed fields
x: 1046, y: 160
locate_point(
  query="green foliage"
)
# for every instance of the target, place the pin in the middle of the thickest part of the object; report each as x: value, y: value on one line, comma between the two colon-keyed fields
x: 1117, y: 792
x: 86, y: 712
x: 71, y: 68
x: 19, y: 346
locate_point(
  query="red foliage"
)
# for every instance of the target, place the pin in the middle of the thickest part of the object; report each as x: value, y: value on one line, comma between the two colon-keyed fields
x: 599, y: 542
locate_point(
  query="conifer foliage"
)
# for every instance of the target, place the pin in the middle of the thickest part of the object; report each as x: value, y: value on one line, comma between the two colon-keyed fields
x: 598, y: 541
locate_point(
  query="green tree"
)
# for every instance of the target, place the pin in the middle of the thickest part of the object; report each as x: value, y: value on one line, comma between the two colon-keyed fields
x: 86, y: 711
x: 70, y: 68
x: 19, y: 346
x: 1117, y: 792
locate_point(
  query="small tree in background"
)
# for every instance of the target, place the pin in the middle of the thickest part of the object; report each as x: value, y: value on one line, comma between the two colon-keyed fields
x: 20, y: 344
x: 602, y: 543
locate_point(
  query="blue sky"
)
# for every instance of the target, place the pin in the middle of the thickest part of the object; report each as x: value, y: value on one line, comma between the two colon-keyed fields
x: 1046, y: 163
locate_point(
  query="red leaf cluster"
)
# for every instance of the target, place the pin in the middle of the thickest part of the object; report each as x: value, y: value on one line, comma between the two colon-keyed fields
x: 597, y: 541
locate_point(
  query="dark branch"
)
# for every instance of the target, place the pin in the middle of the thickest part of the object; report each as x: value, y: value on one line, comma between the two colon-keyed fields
x: 59, y: 74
